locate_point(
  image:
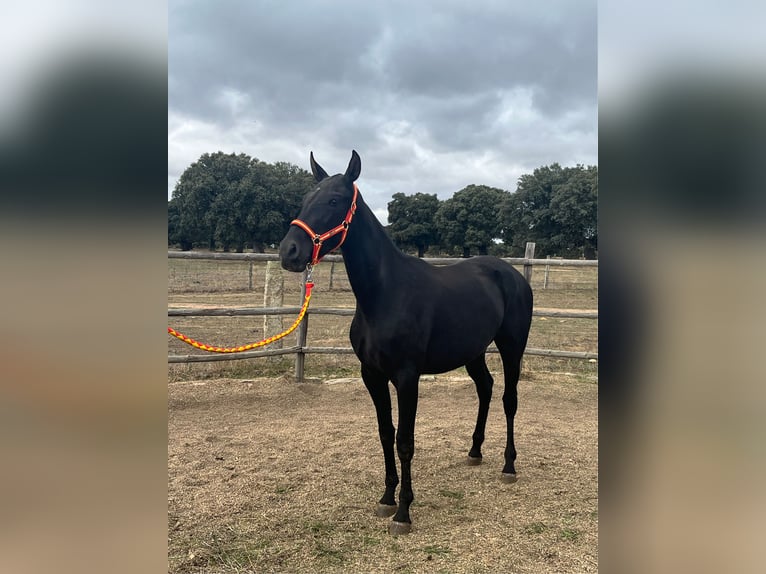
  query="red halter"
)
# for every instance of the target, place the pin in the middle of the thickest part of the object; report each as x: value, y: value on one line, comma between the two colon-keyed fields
x: 320, y: 239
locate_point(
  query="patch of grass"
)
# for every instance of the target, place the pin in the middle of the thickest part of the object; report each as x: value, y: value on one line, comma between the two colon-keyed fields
x: 323, y: 548
x: 570, y: 534
x: 236, y: 559
x: 436, y: 550
x: 230, y: 550
x: 284, y: 488
x: 455, y: 495
x: 370, y: 541
x: 248, y: 369
x: 535, y: 528
x: 320, y: 528
x: 328, y: 554
x: 339, y: 370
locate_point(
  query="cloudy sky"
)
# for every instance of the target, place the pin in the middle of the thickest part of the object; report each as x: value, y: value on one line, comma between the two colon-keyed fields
x: 433, y: 95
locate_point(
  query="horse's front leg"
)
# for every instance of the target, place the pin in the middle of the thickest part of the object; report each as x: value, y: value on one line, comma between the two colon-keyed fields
x: 377, y: 385
x: 407, y: 395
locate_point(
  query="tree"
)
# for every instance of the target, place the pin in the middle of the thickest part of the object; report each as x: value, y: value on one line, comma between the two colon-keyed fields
x: 229, y: 200
x: 574, y: 207
x: 278, y: 192
x: 196, y: 192
x: 470, y: 219
x: 228, y: 215
x: 412, y: 220
x: 556, y: 208
x: 174, y: 217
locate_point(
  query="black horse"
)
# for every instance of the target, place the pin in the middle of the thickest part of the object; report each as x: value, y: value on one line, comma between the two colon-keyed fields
x: 413, y: 318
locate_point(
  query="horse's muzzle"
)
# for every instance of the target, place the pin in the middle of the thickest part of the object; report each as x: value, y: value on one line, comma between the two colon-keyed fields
x: 290, y: 255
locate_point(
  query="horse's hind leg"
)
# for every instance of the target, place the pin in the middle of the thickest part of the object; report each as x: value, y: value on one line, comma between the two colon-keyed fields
x: 478, y: 371
x: 511, y: 369
x: 377, y: 386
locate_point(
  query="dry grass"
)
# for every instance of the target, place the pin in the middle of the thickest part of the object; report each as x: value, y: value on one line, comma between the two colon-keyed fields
x: 269, y: 476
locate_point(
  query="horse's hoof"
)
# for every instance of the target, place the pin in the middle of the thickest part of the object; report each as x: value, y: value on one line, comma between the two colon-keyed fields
x: 508, y: 478
x: 473, y: 460
x: 397, y: 528
x: 385, y: 510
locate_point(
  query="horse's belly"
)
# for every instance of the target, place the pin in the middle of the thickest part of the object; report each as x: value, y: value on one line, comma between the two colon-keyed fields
x: 428, y: 355
x: 443, y: 359
x: 459, y: 337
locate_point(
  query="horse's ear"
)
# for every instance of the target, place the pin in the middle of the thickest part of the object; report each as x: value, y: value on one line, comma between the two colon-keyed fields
x: 316, y: 169
x: 354, y: 167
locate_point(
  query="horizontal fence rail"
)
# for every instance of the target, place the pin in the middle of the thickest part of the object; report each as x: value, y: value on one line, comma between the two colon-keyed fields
x: 343, y: 311
x: 304, y: 349
x: 338, y: 258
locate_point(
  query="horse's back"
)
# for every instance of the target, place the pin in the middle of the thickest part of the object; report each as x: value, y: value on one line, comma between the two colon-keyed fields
x: 493, y: 272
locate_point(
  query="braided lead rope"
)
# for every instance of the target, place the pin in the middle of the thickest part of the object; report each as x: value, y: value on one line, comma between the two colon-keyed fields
x: 213, y: 349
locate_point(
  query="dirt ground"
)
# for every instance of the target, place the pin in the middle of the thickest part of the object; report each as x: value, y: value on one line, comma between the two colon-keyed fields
x: 266, y: 475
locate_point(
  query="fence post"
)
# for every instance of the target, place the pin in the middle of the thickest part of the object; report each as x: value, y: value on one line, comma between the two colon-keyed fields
x: 250, y: 276
x: 273, y: 296
x: 529, y: 253
x: 332, y: 273
x: 547, y: 270
x: 300, y: 356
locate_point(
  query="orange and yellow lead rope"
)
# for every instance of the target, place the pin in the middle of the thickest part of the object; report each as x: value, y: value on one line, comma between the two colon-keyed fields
x: 212, y: 349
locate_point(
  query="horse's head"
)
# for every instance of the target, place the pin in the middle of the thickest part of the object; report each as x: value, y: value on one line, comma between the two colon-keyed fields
x: 322, y: 223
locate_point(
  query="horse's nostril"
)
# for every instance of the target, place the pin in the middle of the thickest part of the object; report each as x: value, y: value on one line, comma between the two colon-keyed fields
x: 292, y: 250
x: 288, y: 252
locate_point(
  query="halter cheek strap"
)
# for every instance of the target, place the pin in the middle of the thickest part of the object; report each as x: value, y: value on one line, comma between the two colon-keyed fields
x: 318, y: 239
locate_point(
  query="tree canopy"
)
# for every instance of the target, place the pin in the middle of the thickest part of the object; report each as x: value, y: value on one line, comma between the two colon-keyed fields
x: 469, y: 221
x: 555, y: 207
x: 412, y: 220
x: 233, y: 200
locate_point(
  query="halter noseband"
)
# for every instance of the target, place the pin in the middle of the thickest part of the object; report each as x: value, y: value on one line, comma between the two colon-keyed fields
x: 318, y: 239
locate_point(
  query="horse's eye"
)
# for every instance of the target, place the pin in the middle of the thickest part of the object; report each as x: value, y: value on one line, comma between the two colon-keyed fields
x: 333, y: 202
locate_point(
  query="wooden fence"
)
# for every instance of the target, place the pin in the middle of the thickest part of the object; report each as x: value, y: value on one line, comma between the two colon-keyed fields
x: 301, y: 348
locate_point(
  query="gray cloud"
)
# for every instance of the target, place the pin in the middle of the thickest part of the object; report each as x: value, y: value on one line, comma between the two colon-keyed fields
x: 433, y: 95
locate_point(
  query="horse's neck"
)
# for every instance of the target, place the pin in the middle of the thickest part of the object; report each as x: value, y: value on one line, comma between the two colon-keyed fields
x: 370, y: 257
